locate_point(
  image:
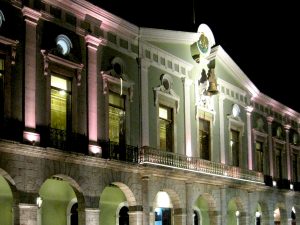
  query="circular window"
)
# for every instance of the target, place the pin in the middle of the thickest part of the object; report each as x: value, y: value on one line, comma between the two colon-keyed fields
x: 166, y: 82
x: 64, y: 44
x: 236, y: 110
x: 118, y: 66
x: 2, y: 18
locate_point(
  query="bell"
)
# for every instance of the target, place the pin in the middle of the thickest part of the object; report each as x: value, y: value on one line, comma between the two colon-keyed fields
x: 212, y: 83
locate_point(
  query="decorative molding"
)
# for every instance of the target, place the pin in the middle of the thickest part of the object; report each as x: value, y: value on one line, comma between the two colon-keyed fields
x: 93, y: 42
x: 31, y: 15
x: 13, y: 44
x: 169, y: 96
x: 109, y: 81
x: 168, y: 36
x: 165, y: 61
x: 50, y: 58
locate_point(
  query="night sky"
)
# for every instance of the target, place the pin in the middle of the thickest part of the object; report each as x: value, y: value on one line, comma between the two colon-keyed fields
x: 262, y: 39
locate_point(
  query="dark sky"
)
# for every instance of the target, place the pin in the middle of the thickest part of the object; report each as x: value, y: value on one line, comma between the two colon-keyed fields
x: 261, y: 37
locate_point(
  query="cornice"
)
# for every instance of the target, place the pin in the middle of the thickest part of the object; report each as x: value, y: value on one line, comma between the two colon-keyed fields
x: 219, y: 53
x: 168, y: 36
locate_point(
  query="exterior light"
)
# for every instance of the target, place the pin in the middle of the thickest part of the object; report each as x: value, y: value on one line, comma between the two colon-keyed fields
x: 31, y: 137
x: 95, y: 149
x: 257, y: 214
x: 39, y: 202
x: 274, y: 183
x: 237, y: 213
x: 291, y: 186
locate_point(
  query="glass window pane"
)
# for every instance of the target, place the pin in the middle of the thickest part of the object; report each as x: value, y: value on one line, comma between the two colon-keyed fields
x: 59, y: 83
x: 116, y: 100
x: 165, y: 129
x: 1, y: 64
x: 58, y: 109
x: 204, y: 139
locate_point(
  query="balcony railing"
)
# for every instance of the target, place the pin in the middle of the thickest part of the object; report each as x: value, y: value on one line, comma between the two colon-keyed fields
x: 168, y: 159
x: 114, y: 150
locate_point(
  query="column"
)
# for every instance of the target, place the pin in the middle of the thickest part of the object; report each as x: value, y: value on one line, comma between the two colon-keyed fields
x: 222, y: 131
x: 270, y: 143
x: 249, y: 110
x: 28, y: 214
x: 223, y: 206
x: 92, y: 47
x: 92, y: 216
x: 267, y: 218
x: 187, y: 116
x: 31, y: 20
x: 135, y: 215
x: 179, y: 216
x: 146, y: 198
x: 144, y: 65
x: 189, y: 204
x: 288, y: 155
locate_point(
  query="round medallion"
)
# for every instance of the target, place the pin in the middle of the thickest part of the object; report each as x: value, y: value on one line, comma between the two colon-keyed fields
x: 235, y: 110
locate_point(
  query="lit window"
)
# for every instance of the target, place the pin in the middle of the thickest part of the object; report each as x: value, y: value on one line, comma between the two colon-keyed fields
x: 235, y: 147
x: 117, y: 116
x: 60, y: 103
x: 166, y: 129
x: 204, y: 139
x: 259, y: 156
x: 64, y: 44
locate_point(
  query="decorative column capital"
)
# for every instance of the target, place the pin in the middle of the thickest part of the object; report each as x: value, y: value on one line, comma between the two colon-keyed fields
x: 249, y: 109
x: 93, y: 42
x: 287, y: 127
x: 186, y: 81
x: 31, y: 16
x: 270, y: 119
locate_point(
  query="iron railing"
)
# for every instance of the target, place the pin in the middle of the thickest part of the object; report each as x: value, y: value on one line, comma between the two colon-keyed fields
x: 167, y: 159
x: 117, y: 151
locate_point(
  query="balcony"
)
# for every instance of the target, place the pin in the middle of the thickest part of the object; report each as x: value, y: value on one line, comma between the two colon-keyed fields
x: 167, y: 159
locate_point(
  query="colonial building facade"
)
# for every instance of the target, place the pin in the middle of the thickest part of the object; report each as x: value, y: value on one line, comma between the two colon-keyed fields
x: 103, y: 122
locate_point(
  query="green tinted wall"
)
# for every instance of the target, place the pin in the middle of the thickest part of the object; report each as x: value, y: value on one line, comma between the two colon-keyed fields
x: 6, y: 201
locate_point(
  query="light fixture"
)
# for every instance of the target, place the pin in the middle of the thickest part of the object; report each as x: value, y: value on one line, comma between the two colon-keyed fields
x: 291, y: 186
x: 39, y: 202
x: 237, y: 213
x: 274, y: 183
x: 95, y: 149
x: 257, y: 214
x: 31, y: 137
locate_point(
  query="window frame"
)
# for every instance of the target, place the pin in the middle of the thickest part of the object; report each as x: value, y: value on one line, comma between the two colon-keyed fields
x: 208, y: 120
x: 262, y: 137
x: 171, y: 120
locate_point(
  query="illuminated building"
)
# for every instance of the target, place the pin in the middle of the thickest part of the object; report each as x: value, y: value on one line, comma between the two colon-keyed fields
x: 103, y: 122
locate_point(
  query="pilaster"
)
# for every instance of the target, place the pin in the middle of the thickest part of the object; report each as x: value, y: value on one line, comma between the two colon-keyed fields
x: 288, y: 155
x: 189, y: 204
x: 92, y: 47
x: 270, y: 144
x: 187, y: 115
x: 92, y: 216
x: 28, y: 214
x: 249, y: 110
x: 222, y: 132
x: 145, y: 195
x: 135, y: 217
x: 31, y: 18
x: 144, y: 66
x: 179, y: 216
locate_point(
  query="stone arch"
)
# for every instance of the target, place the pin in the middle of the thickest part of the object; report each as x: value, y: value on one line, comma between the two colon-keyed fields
x: 4, y: 174
x: 127, y: 192
x: 77, y: 190
x: 210, y: 213
x: 282, y: 212
x: 236, y: 209
x: 174, y: 197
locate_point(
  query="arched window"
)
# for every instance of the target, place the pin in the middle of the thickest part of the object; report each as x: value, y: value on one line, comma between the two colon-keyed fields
x: 74, y: 214
x: 123, y: 216
x: 196, y: 218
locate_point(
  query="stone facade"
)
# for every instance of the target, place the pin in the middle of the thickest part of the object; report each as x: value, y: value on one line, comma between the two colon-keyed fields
x: 83, y: 176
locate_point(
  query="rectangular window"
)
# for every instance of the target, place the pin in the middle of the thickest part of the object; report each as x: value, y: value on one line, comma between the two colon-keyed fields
x: 235, y: 147
x: 278, y: 163
x: 259, y: 156
x: 166, y: 128
x: 295, y: 168
x: 60, y: 103
x: 117, y: 116
x: 204, y: 139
